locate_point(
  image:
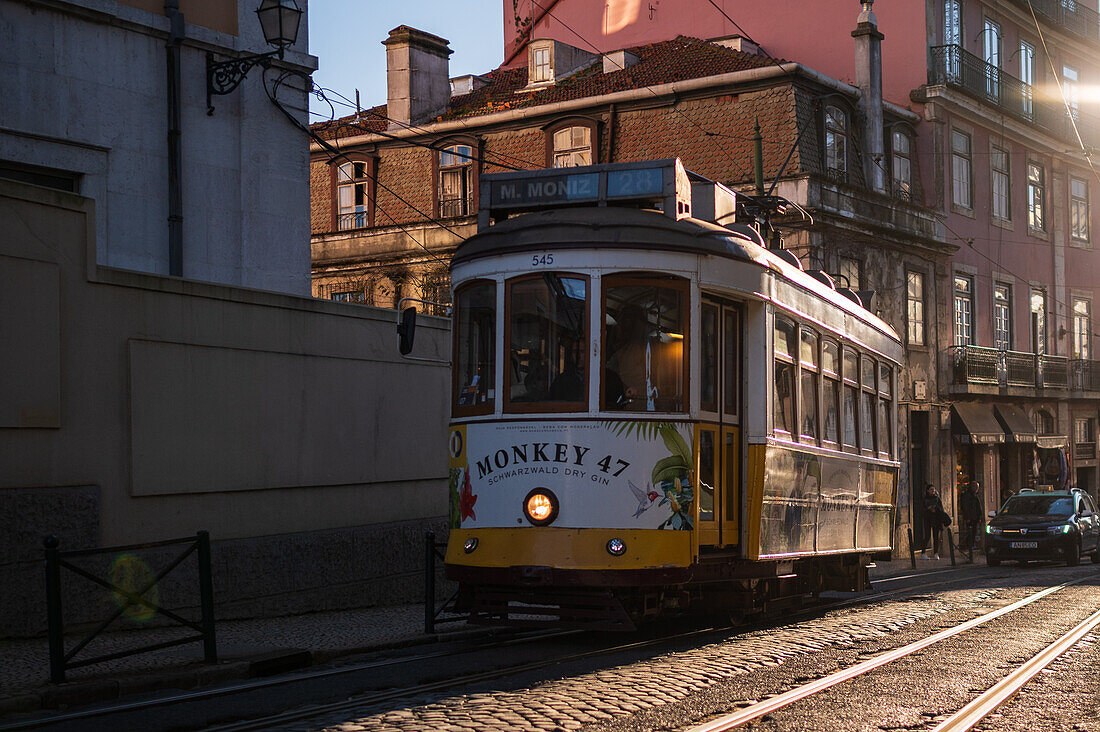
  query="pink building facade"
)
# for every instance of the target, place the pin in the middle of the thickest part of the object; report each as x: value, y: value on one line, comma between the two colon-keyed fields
x: 1008, y: 96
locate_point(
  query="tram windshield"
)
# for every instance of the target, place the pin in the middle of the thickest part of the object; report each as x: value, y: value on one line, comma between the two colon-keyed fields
x: 475, y: 339
x: 547, y: 342
x: 645, y: 321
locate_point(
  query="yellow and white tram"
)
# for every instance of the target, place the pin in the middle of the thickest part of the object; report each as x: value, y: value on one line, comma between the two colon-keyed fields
x: 652, y: 412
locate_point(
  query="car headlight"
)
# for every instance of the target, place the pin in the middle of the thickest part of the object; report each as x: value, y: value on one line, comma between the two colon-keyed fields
x: 995, y: 530
x: 1061, y: 529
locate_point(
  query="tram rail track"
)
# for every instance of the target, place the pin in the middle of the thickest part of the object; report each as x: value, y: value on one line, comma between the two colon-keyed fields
x: 965, y: 718
x: 371, y: 698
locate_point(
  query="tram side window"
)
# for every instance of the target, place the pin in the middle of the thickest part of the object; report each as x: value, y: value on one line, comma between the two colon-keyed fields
x: 645, y: 321
x: 830, y: 395
x: 475, y: 342
x: 808, y: 377
x: 786, y: 347
x: 885, y: 409
x: 866, y: 415
x: 547, y: 343
x: 851, y: 400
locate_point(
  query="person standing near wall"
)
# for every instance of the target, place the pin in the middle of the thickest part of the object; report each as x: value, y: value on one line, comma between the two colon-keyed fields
x: 933, y: 522
x: 971, y: 508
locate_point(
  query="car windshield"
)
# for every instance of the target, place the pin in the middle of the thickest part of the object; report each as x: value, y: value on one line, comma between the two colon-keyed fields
x: 1038, y: 506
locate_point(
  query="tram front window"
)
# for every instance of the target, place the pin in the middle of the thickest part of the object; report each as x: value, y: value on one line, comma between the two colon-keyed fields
x: 548, y: 337
x: 475, y: 337
x: 645, y: 322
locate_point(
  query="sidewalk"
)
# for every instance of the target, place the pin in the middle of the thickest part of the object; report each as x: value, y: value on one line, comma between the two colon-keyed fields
x: 246, y: 649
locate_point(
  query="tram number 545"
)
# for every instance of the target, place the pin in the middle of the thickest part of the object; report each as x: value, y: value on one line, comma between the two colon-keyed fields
x: 541, y: 260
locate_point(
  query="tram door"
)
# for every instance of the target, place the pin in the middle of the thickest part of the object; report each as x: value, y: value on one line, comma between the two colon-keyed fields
x: 718, y: 434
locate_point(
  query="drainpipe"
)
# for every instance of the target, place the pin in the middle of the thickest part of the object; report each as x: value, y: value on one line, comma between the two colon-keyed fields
x: 175, y: 192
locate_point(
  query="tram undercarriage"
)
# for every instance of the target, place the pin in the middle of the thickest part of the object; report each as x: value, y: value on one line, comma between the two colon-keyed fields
x: 732, y: 589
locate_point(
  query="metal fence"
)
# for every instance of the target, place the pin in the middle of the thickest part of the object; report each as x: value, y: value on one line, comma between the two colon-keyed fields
x: 126, y: 598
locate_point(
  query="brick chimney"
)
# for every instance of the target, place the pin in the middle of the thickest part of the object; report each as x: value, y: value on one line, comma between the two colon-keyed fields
x: 417, y: 76
x: 869, y: 81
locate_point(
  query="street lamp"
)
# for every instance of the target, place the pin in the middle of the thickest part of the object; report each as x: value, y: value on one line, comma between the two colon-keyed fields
x: 279, y: 20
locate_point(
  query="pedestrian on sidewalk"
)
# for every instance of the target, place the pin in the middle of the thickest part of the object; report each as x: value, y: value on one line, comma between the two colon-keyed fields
x: 971, y: 508
x: 934, y: 516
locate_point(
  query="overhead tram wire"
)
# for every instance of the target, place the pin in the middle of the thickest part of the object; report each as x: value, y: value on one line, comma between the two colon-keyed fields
x: 336, y: 152
x: 1070, y: 112
x: 427, y: 133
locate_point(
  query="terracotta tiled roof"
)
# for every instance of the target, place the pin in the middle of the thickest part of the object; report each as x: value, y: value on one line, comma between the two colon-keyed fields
x: 658, y: 63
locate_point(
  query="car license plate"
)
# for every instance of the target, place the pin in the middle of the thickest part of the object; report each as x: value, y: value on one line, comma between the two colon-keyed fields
x: 1024, y: 545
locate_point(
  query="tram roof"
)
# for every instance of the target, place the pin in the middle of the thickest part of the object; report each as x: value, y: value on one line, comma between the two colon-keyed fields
x: 631, y: 228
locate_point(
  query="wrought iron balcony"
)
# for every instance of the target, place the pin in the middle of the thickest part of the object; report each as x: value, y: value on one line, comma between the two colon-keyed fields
x: 1084, y: 375
x: 982, y: 365
x: 1084, y: 450
x: 1068, y: 14
x: 953, y: 66
x: 351, y: 220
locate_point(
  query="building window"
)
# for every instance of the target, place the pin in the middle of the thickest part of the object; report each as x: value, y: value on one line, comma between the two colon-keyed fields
x: 1036, y: 190
x: 915, y: 308
x: 1070, y: 90
x: 962, y: 193
x: 1043, y: 422
x: 1082, y: 328
x: 836, y: 144
x: 1027, y: 74
x: 902, y: 166
x: 1079, y: 208
x: 1038, y: 320
x: 455, y: 164
x: 964, y: 310
x: 1002, y: 207
x: 572, y: 147
x: 952, y: 22
x: 540, y: 65
x: 1082, y: 431
x: 848, y: 270
x: 352, y: 196
x: 1002, y: 317
x: 991, y: 45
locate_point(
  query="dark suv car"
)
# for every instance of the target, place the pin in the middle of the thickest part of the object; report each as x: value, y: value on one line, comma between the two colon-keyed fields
x: 1056, y: 525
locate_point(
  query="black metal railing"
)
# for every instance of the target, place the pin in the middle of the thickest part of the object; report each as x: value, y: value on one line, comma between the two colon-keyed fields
x: 1084, y: 450
x: 353, y: 220
x: 1021, y: 369
x: 434, y: 550
x: 983, y: 365
x: 955, y: 66
x: 126, y: 598
x: 1068, y: 14
x: 1084, y: 374
x: 976, y: 365
x: 451, y: 207
x: 1053, y: 371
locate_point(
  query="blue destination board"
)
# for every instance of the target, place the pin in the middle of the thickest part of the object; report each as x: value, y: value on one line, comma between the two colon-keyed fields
x: 546, y: 189
x: 640, y: 182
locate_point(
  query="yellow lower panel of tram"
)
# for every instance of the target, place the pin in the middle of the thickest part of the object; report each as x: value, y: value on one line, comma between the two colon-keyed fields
x: 570, y: 548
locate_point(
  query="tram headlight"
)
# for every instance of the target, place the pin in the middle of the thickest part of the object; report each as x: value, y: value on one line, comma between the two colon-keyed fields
x: 540, y: 506
x: 616, y: 547
x: 470, y: 545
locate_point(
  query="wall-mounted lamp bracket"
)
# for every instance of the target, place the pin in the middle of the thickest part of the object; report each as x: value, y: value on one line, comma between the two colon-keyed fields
x: 224, y: 77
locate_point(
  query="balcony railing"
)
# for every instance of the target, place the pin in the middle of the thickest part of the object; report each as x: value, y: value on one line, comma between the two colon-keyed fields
x: 1084, y: 450
x: 982, y: 365
x: 1084, y: 374
x: 1069, y: 14
x: 956, y: 67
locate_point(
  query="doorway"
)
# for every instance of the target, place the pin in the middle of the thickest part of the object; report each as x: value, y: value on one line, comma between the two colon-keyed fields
x: 718, y: 434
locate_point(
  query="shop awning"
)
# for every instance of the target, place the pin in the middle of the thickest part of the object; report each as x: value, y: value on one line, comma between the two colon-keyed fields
x: 975, y: 424
x: 1051, y: 442
x: 1015, y: 422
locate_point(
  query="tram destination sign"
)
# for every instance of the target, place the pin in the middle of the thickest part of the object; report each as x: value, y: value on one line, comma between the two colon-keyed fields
x: 545, y: 189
